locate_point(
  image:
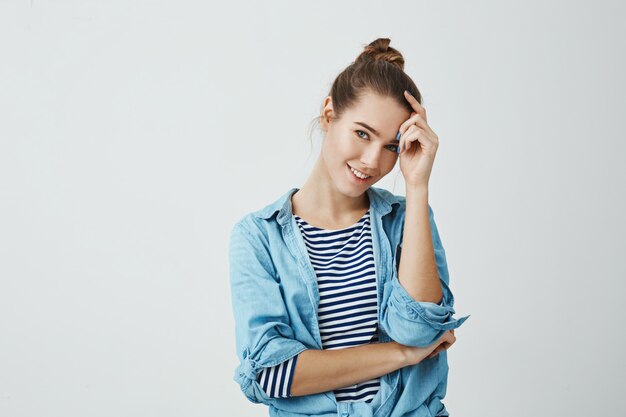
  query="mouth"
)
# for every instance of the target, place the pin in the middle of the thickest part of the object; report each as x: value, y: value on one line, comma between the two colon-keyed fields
x: 355, y: 178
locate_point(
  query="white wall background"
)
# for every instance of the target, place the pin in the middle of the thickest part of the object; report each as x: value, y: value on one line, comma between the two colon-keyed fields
x: 134, y: 133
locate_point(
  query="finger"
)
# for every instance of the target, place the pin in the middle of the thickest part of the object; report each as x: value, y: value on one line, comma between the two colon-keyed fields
x: 436, y: 351
x: 417, y: 135
x: 410, y: 140
x: 443, y: 346
x: 408, y: 122
x: 405, y: 135
x: 415, y: 104
x: 415, y: 119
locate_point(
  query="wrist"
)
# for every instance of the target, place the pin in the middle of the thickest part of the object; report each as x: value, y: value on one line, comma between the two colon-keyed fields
x: 402, y: 354
x: 417, y: 188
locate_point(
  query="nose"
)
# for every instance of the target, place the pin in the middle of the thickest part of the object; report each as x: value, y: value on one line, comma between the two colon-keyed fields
x: 370, y: 157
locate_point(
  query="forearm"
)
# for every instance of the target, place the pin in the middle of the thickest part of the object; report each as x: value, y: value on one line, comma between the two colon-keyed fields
x: 325, y: 370
x: 417, y: 271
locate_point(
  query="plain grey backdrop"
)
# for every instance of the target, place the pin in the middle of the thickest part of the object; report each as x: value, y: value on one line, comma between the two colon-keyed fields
x: 135, y: 133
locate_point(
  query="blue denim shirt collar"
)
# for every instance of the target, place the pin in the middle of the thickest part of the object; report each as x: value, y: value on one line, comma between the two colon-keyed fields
x: 381, y: 202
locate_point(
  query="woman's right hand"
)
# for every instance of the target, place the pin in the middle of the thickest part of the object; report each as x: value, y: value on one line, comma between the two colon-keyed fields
x: 415, y: 354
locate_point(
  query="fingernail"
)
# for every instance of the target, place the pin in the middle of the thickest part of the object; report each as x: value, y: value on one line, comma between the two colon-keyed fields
x: 399, y: 149
x: 398, y: 136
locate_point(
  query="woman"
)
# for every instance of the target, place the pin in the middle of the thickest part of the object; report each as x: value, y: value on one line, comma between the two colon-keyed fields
x: 330, y: 319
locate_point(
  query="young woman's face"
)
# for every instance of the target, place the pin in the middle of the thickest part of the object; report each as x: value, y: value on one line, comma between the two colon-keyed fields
x: 364, y: 138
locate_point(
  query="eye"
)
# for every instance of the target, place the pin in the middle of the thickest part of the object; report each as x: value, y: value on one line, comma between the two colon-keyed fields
x: 360, y: 131
x: 394, y: 148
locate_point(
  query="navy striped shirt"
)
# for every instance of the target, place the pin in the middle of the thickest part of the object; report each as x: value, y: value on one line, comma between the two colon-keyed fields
x: 348, y: 312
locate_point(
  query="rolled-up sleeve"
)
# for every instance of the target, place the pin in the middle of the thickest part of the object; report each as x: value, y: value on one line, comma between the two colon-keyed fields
x: 264, y: 337
x: 419, y: 323
x: 276, y: 381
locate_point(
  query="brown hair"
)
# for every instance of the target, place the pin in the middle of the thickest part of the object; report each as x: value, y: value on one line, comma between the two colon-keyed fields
x: 379, y: 69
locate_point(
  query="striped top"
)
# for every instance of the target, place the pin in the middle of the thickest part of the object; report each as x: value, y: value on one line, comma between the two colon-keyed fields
x: 348, y: 312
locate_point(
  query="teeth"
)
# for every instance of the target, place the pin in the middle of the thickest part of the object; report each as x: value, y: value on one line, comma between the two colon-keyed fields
x: 359, y: 174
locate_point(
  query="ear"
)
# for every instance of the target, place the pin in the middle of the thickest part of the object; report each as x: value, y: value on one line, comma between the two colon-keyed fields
x: 327, y: 113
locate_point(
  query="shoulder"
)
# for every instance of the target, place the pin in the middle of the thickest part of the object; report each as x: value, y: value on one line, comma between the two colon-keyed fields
x: 249, y: 227
x: 259, y: 222
x: 250, y: 244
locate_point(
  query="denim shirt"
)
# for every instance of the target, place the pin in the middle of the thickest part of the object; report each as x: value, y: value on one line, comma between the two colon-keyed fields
x: 275, y: 299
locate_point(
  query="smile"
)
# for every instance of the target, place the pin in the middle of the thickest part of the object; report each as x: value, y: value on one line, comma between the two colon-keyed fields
x: 358, y: 176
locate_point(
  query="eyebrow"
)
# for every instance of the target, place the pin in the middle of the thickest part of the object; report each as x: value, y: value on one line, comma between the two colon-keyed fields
x: 374, y: 131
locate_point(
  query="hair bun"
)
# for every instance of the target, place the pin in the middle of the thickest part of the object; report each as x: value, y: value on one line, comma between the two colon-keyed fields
x: 379, y: 50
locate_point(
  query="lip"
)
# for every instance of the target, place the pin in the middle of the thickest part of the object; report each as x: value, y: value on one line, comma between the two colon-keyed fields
x: 357, y: 179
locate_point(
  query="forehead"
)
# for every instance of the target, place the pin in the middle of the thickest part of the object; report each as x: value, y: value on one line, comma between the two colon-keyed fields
x: 381, y: 112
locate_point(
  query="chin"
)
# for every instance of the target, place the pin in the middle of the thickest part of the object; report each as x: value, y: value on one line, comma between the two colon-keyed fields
x: 351, y: 189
